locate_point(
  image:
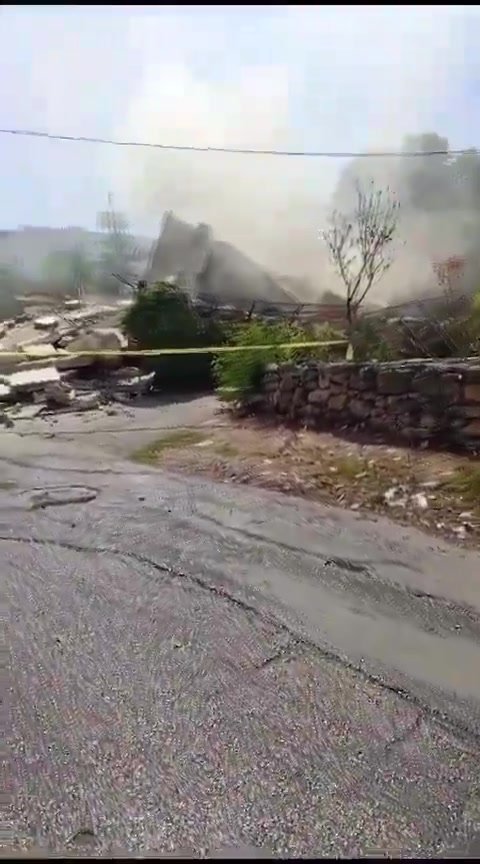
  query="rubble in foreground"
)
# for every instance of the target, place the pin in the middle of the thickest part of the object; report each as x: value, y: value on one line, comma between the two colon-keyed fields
x: 40, y: 375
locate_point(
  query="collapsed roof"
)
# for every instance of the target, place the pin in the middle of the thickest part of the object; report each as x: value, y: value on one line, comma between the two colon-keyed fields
x: 205, y: 266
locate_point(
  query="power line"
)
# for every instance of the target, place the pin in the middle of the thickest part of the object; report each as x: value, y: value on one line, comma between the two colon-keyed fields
x: 243, y: 151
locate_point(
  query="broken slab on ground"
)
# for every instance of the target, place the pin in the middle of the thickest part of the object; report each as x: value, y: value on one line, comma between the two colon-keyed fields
x: 42, y: 363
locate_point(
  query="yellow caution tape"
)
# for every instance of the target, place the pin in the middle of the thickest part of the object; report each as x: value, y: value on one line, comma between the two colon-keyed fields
x: 158, y: 352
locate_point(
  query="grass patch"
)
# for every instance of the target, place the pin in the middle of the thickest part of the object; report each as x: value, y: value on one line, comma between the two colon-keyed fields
x: 466, y: 483
x: 227, y: 450
x: 176, y: 439
x: 350, y: 467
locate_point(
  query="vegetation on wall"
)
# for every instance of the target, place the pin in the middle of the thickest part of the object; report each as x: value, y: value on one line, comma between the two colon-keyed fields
x: 238, y: 373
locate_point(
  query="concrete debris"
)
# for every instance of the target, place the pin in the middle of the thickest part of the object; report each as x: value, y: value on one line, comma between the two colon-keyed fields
x: 100, y: 340
x: 86, y: 402
x: 27, y: 412
x: 41, y: 373
x: 46, y: 322
x: 59, y: 393
x: 5, y: 393
x: 38, y: 351
x: 33, y: 379
x: 5, y: 420
x: 137, y: 385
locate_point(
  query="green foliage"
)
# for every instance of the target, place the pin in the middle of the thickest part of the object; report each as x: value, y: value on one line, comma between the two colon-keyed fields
x: 238, y: 373
x: 163, y: 317
x: 369, y: 342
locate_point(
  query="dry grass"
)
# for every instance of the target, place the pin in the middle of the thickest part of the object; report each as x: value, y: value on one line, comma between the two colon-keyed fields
x: 176, y: 439
x: 438, y: 492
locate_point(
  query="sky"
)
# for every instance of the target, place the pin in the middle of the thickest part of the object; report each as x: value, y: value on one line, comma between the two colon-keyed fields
x: 283, y: 77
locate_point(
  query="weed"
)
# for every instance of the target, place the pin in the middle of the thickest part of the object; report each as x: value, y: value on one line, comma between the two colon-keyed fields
x: 176, y: 439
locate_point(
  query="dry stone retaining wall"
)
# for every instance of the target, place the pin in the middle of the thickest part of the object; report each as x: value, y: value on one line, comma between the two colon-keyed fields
x: 435, y: 402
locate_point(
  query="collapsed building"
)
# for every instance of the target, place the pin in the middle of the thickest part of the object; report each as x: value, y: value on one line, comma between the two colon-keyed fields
x: 206, y: 267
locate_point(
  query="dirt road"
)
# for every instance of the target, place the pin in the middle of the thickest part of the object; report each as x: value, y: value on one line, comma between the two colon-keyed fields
x: 193, y: 665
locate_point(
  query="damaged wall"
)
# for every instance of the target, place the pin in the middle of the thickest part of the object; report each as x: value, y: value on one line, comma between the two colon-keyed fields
x: 437, y: 402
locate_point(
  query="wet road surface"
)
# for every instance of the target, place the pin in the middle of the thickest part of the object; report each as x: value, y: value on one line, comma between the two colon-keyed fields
x: 193, y: 666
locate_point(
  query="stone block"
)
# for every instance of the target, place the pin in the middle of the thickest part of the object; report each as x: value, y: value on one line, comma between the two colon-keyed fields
x: 337, y: 402
x: 392, y: 381
x: 318, y: 397
x: 472, y: 393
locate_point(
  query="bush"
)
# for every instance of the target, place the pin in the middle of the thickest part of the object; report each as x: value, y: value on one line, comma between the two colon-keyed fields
x: 370, y: 343
x: 163, y: 317
x: 238, y: 373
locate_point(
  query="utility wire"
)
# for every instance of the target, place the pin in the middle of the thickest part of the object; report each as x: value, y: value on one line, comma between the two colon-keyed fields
x: 32, y: 133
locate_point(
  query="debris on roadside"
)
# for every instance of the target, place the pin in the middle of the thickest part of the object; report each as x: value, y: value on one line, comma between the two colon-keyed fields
x: 40, y: 373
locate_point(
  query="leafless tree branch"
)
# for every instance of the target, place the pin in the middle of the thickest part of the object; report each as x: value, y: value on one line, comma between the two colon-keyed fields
x: 360, y: 246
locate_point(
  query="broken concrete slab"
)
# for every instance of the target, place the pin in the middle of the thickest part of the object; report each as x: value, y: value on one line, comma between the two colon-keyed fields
x: 27, y: 412
x: 79, y: 403
x: 45, y: 322
x: 97, y: 340
x: 5, y: 420
x: 32, y: 379
x: 38, y: 350
x: 135, y: 386
x: 86, y: 402
x: 59, y: 393
x: 5, y: 393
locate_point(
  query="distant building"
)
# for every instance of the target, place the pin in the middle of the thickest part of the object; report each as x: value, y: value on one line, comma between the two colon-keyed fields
x: 27, y: 247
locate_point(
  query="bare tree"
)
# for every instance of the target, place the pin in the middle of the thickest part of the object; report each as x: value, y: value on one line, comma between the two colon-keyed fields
x: 360, y: 245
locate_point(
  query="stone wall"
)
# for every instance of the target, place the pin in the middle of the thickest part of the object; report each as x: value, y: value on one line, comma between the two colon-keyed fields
x: 437, y: 402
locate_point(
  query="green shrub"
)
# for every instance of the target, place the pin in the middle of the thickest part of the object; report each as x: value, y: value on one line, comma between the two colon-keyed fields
x: 163, y: 317
x: 369, y: 342
x: 238, y: 373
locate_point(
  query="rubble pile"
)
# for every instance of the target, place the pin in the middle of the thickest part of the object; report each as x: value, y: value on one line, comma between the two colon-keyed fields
x: 41, y: 373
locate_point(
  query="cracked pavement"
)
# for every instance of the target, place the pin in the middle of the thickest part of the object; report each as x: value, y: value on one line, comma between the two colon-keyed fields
x: 194, y: 667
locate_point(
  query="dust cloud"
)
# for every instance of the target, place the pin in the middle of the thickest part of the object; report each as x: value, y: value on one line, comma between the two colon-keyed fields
x: 352, y: 78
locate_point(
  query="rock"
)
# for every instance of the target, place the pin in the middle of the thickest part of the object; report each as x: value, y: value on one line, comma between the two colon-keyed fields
x: 28, y: 412
x: 97, y: 341
x: 471, y: 411
x: 5, y: 420
x: 5, y: 393
x: 439, y: 386
x: 420, y: 500
x: 472, y: 393
x: 136, y: 386
x: 38, y: 350
x: 33, y: 379
x: 318, y: 397
x: 86, y: 402
x: 46, y: 322
x: 288, y: 382
x: 472, y: 430
x: 358, y: 408
x: 393, y: 381
x: 59, y: 393
x: 338, y: 402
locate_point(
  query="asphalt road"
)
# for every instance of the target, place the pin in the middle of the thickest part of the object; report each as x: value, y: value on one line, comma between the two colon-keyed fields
x: 193, y: 666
